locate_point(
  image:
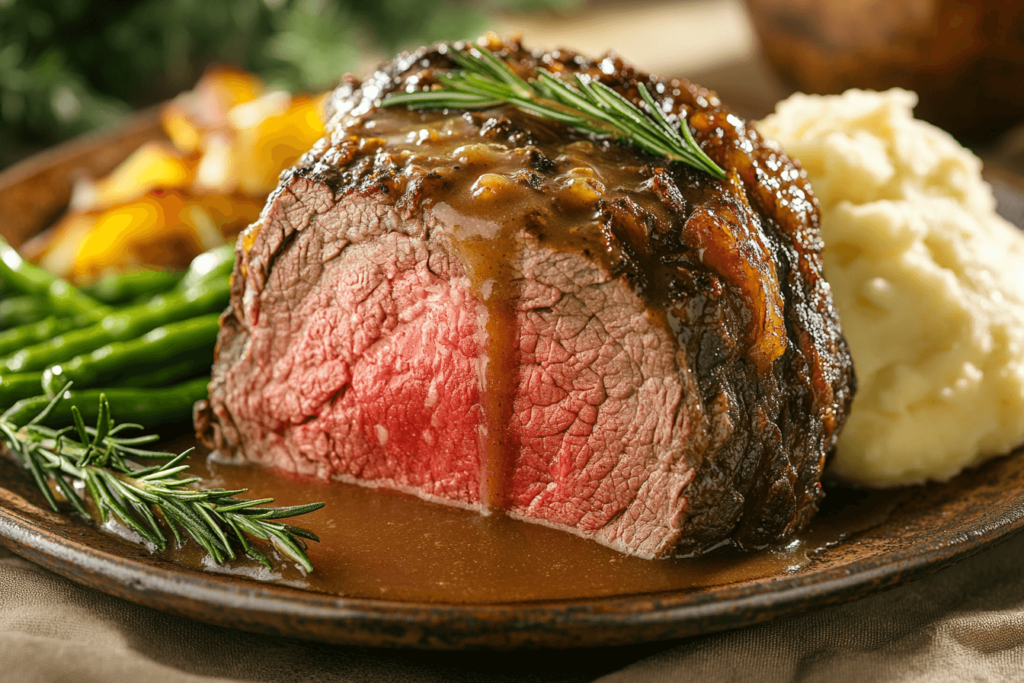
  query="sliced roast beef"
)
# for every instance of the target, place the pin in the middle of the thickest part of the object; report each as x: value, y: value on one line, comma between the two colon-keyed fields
x: 490, y: 310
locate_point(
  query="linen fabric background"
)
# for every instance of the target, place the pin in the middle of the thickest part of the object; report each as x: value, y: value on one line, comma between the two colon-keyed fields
x: 965, y: 623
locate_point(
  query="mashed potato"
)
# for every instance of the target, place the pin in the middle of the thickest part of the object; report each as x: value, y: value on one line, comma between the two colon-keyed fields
x: 928, y: 280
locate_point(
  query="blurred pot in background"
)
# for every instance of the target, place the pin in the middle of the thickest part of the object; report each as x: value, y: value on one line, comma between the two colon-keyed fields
x: 964, y: 58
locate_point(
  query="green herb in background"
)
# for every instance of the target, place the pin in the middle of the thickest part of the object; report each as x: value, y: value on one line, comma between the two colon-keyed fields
x: 67, y: 66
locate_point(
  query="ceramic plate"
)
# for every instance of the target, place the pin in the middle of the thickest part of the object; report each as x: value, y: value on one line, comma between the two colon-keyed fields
x: 927, y: 529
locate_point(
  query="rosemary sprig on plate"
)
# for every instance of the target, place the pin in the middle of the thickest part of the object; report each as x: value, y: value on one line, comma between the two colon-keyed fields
x: 590, y: 106
x: 105, y: 461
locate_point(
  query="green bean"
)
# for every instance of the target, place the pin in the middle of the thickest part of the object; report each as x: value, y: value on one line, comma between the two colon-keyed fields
x: 210, y: 265
x: 26, y: 335
x: 128, y: 323
x: 160, y: 345
x: 195, y: 364
x: 133, y: 285
x: 149, y: 407
x: 64, y: 298
x: 14, y: 387
x: 20, y: 274
x: 22, y: 310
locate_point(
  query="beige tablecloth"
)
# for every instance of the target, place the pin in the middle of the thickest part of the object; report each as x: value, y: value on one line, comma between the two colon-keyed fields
x: 963, y: 624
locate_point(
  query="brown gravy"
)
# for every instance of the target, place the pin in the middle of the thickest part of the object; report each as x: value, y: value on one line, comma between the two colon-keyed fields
x: 694, y: 249
x: 492, y: 175
x: 383, y: 544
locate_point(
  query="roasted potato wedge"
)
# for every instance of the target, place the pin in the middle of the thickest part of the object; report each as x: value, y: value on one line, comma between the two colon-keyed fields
x: 155, y: 165
x: 229, y: 140
x: 193, y: 115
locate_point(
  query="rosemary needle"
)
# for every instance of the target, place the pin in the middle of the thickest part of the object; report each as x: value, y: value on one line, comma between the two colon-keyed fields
x: 482, y: 80
x: 106, y: 461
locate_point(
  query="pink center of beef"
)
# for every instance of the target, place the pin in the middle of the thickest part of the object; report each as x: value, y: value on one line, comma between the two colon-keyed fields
x: 373, y: 358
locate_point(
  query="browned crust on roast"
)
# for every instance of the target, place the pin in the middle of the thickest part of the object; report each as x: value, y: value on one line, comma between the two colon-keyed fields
x: 765, y: 423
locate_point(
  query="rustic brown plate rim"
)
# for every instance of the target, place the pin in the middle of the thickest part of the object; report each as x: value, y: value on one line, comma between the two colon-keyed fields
x: 563, y: 623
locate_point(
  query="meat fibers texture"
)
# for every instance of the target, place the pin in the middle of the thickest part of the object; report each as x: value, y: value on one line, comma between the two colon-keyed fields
x: 489, y: 310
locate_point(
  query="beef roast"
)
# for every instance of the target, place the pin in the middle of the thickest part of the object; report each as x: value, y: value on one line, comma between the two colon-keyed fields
x: 489, y: 310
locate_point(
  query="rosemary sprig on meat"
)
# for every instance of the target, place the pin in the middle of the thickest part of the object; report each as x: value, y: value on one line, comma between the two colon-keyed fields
x: 106, y: 463
x: 589, y: 106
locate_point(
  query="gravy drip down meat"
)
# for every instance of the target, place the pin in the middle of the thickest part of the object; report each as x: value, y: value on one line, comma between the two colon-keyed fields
x: 493, y: 311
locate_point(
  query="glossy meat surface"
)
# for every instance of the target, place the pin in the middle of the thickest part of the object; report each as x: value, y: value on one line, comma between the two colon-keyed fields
x: 490, y: 310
